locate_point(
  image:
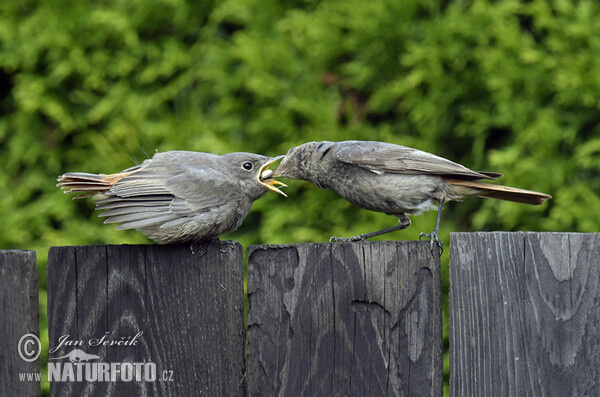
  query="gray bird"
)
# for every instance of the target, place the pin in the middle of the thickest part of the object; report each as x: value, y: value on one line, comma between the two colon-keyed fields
x: 393, y: 179
x: 179, y: 196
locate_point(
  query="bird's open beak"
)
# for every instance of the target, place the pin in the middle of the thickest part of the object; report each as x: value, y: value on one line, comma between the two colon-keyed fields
x: 265, y: 177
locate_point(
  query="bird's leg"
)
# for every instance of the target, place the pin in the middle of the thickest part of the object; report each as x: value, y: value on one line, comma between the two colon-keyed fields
x: 434, y: 235
x: 404, y: 223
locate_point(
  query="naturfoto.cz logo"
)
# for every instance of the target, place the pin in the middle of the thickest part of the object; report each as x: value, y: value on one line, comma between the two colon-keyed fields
x: 78, y: 366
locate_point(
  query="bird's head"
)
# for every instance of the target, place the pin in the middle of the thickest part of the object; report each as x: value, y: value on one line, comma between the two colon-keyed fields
x: 301, y: 162
x: 253, y: 173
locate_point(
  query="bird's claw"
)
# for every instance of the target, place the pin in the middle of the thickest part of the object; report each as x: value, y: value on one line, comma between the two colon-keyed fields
x: 433, y: 239
x: 344, y: 239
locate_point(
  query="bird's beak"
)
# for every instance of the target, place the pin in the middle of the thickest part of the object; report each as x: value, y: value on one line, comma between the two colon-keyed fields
x: 283, y: 169
x: 265, y: 177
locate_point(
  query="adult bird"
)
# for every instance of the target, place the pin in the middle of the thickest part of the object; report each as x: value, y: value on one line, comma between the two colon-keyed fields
x: 393, y: 179
x: 178, y: 196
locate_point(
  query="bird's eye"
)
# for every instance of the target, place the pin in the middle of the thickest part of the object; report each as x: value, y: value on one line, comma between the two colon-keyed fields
x: 247, y: 166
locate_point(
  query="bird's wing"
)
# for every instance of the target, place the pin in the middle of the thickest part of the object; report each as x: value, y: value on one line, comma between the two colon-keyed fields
x: 167, y: 191
x: 396, y: 159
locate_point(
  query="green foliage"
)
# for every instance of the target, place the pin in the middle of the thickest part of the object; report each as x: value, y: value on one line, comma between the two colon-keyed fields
x: 97, y: 86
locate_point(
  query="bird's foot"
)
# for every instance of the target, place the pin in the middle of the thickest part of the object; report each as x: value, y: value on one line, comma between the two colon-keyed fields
x: 434, y: 239
x: 361, y: 237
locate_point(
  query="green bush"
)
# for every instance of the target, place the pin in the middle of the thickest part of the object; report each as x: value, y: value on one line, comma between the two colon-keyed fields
x: 97, y: 86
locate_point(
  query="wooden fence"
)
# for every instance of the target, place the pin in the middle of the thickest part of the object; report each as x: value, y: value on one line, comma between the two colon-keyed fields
x: 18, y: 317
x: 346, y: 319
x: 524, y: 314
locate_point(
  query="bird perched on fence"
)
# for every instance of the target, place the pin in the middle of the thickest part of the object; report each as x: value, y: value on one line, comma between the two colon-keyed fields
x: 393, y: 179
x: 179, y: 196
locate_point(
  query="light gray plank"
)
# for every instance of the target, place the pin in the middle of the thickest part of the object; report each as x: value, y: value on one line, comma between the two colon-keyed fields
x: 20, y: 316
x: 524, y: 314
x: 344, y: 319
x: 186, y: 300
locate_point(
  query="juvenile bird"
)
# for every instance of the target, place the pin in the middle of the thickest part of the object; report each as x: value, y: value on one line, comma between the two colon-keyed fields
x: 179, y: 196
x: 393, y: 179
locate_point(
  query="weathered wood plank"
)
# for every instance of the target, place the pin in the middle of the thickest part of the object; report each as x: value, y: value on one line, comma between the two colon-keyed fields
x: 524, y: 314
x: 186, y: 300
x: 20, y: 316
x: 344, y: 319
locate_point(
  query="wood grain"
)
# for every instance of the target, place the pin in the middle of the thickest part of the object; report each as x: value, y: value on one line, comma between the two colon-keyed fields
x: 344, y: 319
x: 19, y: 313
x: 524, y: 314
x: 187, y: 300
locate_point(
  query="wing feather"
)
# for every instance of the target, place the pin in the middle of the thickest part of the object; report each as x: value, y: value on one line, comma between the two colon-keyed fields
x: 397, y: 159
x: 137, y: 216
x: 169, y: 190
x: 139, y: 200
x: 174, y: 222
x: 134, y: 203
x: 145, y: 222
x: 134, y: 210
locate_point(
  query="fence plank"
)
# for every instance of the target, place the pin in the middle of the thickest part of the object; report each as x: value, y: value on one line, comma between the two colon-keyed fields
x: 19, y: 309
x: 186, y: 300
x: 344, y: 319
x: 524, y: 314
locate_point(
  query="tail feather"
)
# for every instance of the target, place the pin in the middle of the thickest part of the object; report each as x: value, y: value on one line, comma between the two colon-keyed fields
x: 487, y: 190
x: 80, y: 176
x: 88, y: 184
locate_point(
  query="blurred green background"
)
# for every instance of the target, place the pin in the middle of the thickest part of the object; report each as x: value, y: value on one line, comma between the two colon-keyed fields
x: 98, y: 86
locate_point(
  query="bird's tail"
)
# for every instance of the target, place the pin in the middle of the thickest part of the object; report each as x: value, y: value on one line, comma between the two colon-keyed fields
x: 487, y: 190
x: 90, y: 184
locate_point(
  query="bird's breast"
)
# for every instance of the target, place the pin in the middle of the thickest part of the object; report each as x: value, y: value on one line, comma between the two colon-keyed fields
x: 389, y: 193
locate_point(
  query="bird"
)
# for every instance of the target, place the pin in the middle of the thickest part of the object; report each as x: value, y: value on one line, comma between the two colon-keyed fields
x: 393, y: 179
x: 179, y: 196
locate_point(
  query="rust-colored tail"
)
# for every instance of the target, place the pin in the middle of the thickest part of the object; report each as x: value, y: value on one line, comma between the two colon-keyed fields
x: 89, y: 184
x: 499, y: 192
